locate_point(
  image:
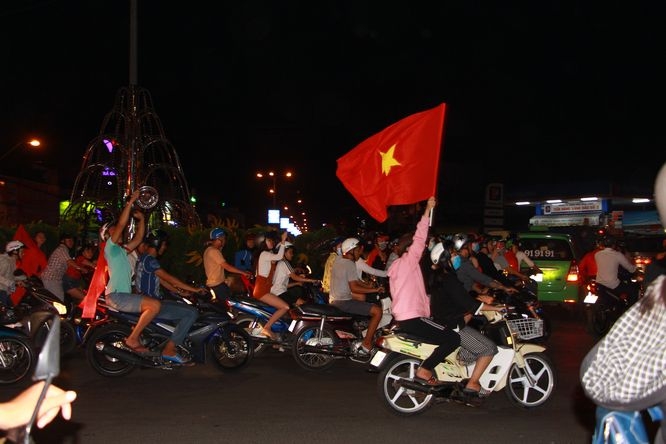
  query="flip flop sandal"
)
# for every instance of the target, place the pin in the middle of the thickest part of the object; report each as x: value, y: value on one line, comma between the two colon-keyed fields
x: 430, y: 382
x: 139, y: 349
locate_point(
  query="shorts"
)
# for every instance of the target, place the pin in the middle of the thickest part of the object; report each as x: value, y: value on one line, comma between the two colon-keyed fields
x: 292, y: 295
x: 69, y: 283
x: 354, y: 307
x: 222, y: 291
x: 55, y: 287
x: 127, y: 302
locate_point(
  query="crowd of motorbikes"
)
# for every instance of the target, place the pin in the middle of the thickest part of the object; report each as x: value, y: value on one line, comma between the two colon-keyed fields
x: 315, y: 333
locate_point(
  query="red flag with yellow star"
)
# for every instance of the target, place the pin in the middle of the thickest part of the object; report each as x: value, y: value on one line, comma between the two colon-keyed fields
x: 396, y: 166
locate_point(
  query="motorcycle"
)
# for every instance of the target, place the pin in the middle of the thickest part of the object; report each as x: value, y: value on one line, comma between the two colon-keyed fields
x: 520, y: 368
x: 213, y: 335
x: 33, y: 314
x: 252, y: 314
x: 603, y: 306
x: 525, y: 303
x: 17, y: 355
x: 323, y: 333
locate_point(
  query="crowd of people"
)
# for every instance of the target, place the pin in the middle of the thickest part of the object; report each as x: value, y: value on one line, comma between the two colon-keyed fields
x: 436, y: 282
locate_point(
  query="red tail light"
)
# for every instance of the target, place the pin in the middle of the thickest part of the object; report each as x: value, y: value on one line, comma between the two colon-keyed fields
x: 572, y: 276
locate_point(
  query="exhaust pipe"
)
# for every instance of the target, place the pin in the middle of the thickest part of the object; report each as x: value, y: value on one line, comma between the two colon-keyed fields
x: 123, y: 355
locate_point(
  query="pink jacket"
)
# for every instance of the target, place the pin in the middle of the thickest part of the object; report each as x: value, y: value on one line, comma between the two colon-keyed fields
x: 406, y: 279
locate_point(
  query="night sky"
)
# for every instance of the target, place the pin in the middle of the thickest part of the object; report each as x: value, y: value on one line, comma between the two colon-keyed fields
x: 536, y: 92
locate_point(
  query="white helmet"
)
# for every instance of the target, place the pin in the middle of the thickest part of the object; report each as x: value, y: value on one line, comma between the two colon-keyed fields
x: 349, y: 244
x: 459, y: 241
x: 436, y: 252
x: 13, y: 246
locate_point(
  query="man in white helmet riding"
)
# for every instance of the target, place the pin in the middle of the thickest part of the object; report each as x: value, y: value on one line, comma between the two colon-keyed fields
x: 348, y: 291
x: 8, y: 260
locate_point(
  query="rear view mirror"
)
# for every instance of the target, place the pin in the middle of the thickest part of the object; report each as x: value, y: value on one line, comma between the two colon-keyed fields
x: 47, y: 368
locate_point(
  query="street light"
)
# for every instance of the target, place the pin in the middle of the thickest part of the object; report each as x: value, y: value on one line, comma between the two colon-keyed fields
x: 273, y: 176
x: 34, y: 143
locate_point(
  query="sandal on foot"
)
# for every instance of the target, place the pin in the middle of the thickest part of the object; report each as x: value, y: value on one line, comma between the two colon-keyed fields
x: 176, y: 359
x: 471, y: 392
x: 140, y: 349
x: 431, y: 382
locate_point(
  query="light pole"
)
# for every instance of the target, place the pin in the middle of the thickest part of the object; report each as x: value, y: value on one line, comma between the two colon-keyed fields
x: 34, y: 143
x: 273, y: 176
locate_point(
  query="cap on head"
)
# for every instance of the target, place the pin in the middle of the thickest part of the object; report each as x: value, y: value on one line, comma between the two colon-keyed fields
x: 349, y: 244
x: 217, y: 233
x: 13, y: 246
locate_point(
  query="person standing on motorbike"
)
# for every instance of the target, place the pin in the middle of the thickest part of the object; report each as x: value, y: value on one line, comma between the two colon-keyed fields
x: 119, y: 288
x: 215, y: 265
x: 451, y: 305
x: 609, y: 260
x: 348, y: 292
x: 149, y: 277
x: 411, y: 304
x: 264, y: 279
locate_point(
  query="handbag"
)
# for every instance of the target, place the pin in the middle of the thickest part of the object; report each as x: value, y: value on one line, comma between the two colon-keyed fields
x: 620, y: 427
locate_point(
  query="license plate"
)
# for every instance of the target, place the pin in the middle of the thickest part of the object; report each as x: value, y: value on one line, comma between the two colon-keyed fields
x: 378, y: 358
x: 292, y: 325
x: 590, y: 298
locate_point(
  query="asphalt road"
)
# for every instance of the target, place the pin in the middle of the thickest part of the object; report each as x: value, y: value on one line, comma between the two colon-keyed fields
x: 273, y: 400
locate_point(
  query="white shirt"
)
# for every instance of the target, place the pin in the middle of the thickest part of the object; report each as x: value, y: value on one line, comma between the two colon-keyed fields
x: 362, y: 266
x: 608, y: 262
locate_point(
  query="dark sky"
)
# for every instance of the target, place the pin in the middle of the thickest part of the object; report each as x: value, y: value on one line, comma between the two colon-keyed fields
x: 547, y: 90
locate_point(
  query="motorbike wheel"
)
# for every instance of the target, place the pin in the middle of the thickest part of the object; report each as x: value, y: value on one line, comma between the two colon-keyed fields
x: 67, y: 336
x: 232, y: 349
x: 599, y: 320
x: 17, y: 359
x: 532, y: 385
x: 401, y: 400
x: 308, y: 359
x: 248, y: 323
x: 110, y: 335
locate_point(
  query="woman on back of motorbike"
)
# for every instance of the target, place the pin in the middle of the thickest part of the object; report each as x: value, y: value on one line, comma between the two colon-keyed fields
x: 452, y: 305
x: 411, y: 305
x: 265, y: 269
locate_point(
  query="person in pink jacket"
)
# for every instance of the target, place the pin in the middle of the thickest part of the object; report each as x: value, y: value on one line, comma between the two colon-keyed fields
x: 411, y: 305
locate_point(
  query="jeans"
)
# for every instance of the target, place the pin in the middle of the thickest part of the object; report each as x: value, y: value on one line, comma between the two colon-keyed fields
x: 184, y: 314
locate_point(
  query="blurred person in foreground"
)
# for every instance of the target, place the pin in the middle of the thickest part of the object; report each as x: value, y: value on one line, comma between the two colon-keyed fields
x: 411, y: 304
x: 626, y: 369
x: 17, y: 412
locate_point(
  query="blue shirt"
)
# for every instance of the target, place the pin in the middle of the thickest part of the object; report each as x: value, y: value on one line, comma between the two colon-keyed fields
x: 147, y: 281
x: 120, y: 271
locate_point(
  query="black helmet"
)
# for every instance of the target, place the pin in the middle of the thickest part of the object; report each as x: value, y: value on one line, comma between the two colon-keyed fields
x: 156, y: 238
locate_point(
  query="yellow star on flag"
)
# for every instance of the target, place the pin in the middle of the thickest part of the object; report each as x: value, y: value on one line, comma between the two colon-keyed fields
x: 388, y: 160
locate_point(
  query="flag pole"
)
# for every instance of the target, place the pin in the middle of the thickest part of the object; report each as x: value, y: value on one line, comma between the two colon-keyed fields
x: 441, y: 135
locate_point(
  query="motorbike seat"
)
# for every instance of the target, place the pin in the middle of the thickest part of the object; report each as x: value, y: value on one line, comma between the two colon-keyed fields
x: 324, y: 310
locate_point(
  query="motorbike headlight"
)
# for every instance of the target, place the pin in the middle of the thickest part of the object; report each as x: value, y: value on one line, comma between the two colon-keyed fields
x: 62, y: 309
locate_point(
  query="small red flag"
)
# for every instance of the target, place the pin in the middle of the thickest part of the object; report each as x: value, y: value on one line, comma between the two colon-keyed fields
x: 96, y: 287
x: 397, y: 166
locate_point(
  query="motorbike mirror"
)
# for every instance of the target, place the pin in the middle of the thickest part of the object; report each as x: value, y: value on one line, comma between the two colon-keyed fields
x: 48, y: 367
x: 48, y: 362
